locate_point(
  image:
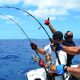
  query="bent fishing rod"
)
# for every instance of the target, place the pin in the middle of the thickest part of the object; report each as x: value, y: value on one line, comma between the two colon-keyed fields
x: 32, y: 17
x: 38, y: 22
x: 24, y: 33
x: 20, y: 29
x: 17, y: 25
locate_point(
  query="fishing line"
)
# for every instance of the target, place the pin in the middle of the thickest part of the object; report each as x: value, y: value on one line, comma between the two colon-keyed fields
x: 20, y: 29
x: 32, y: 17
x: 23, y: 32
x: 36, y: 20
x: 40, y: 25
x: 17, y: 25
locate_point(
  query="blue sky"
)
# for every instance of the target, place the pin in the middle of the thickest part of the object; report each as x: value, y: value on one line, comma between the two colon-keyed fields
x: 64, y: 15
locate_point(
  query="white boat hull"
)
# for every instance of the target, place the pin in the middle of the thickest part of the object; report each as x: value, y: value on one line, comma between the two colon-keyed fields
x: 38, y: 74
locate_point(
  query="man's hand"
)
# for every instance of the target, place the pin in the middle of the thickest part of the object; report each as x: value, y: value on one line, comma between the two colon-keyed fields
x: 53, y: 68
x: 47, y: 22
x: 61, y: 69
x: 33, y: 46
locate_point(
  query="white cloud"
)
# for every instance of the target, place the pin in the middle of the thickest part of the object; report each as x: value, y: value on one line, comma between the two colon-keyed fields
x: 54, y: 3
x: 52, y: 8
x: 52, y: 18
x: 6, y: 2
x: 44, y: 13
x: 31, y: 2
x: 6, y: 17
x: 47, y: 8
x: 10, y: 18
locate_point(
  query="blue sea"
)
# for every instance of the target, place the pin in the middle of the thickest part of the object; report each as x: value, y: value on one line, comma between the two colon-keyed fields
x: 16, y: 58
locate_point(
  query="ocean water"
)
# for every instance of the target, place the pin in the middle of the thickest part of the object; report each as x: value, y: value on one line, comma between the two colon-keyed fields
x: 16, y: 58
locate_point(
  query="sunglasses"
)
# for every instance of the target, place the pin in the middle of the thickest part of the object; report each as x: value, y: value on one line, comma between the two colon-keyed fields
x: 55, y: 39
x: 69, y: 37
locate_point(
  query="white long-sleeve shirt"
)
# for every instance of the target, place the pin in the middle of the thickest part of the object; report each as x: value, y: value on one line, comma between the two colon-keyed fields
x: 61, y: 54
x: 62, y: 57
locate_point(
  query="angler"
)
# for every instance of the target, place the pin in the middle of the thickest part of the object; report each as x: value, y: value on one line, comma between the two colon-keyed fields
x: 68, y: 41
x: 58, y: 36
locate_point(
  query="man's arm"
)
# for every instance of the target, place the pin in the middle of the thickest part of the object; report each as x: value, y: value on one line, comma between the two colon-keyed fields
x: 34, y: 47
x: 47, y: 22
x: 73, y: 70
x: 52, y: 28
x: 61, y: 69
x: 71, y: 50
x: 42, y: 51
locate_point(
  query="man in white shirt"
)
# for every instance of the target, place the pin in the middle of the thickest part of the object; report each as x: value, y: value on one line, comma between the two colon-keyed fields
x: 57, y: 37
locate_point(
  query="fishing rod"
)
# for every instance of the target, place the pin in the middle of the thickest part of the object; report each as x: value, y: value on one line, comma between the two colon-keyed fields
x: 59, y: 63
x: 39, y: 24
x: 20, y: 29
x: 32, y: 17
x: 17, y: 25
x: 25, y: 35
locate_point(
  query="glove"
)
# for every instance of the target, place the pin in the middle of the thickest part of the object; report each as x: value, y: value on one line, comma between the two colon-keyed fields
x: 47, y: 22
x: 41, y: 63
x: 61, y: 69
x: 33, y: 46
